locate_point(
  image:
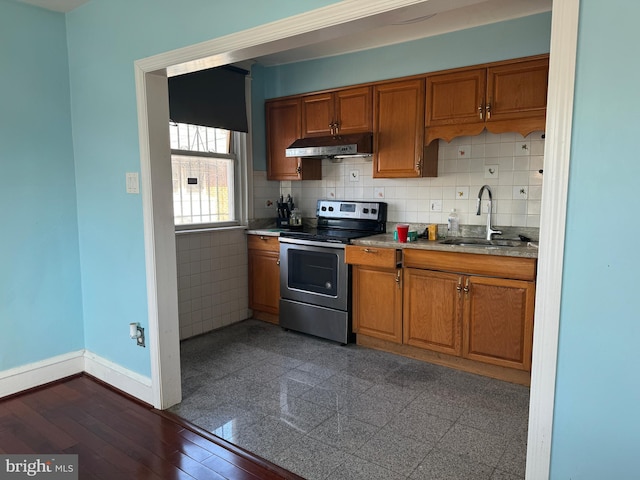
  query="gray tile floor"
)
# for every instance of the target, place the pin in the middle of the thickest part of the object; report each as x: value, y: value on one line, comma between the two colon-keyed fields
x: 332, y: 412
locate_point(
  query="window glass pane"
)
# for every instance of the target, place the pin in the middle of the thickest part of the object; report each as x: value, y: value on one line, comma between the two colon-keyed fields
x: 202, y: 189
x: 197, y: 138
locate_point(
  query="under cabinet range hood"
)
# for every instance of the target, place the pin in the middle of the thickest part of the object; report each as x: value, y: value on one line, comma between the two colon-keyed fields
x: 339, y: 146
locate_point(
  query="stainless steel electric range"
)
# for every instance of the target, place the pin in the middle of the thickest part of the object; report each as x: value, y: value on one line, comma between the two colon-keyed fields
x: 315, y: 282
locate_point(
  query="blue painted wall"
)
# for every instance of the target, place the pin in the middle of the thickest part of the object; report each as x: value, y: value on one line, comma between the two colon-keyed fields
x: 489, y: 43
x: 40, y: 297
x: 105, y: 37
x: 596, y: 420
x: 596, y: 431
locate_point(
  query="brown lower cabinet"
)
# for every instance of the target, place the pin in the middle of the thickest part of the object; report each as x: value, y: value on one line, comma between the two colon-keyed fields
x: 468, y: 310
x: 479, y: 318
x: 264, y: 277
x: 377, y: 292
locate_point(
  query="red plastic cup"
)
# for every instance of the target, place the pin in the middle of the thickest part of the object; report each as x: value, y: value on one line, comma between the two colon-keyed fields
x: 403, y: 231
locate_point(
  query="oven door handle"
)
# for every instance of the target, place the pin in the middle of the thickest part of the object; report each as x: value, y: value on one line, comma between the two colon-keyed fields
x: 314, y: 243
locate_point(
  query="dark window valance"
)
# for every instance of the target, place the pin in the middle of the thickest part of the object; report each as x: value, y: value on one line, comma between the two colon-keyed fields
x: 213, y: 98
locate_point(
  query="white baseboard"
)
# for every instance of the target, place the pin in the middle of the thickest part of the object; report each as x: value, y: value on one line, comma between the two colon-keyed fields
x: 35, y: 374
x: 32, y: 375
x: 119, y: 377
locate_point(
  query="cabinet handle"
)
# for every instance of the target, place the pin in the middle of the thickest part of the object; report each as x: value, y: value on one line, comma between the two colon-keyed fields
x: 298, y: 169
x: 262, y: 237
x: 489, y: 111
x: 466, y: 286
x: 278, y: 261
x: 419, y: 164
x: 370, y: 250
x: 480, y: 110
x: 459, y: 286
x: 398, y: 278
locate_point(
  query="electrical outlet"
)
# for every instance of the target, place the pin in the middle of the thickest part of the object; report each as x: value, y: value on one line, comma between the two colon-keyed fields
x: 491, y: 171
x: 378, y: 192
x: 354, y: 176
x: 435, y: 206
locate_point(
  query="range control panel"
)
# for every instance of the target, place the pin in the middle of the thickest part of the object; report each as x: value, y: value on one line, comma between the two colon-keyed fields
x: 351, y: 209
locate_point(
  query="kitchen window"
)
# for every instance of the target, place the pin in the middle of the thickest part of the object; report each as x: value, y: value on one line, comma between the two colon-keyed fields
x: 205, y: 166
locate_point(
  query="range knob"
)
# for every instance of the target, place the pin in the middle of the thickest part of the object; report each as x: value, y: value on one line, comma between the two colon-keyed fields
x: 365, y: 210
x: 331, y: 209
x: 374, y: 211
x: 324, y: 209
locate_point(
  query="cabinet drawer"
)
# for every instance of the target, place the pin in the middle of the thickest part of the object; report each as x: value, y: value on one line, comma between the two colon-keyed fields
x: 372, y: 256
x: 263, y: 242
x: 517, y: 268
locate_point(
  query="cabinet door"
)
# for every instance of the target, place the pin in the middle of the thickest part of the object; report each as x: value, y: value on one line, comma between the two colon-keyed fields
x: 398, y: 122
x: 283, y: 128
x: 264, y: 281
x: 498, y: 321
x: 455, y: 104
x: 317, y: 115
x: 283, y: 120
x: 517, y: 96
x: 432, y: 310
x: 354, y: 108
x: 377, y: 302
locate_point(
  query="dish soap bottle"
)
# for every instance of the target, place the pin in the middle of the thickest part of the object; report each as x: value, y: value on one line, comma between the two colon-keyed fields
x: 453, y: 224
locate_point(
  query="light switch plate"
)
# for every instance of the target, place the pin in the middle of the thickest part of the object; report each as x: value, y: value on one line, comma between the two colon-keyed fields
x: 133, y: 185
x: 435, y: 205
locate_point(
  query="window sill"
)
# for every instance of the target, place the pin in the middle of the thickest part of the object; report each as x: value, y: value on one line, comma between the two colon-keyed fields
x: 211, y: 229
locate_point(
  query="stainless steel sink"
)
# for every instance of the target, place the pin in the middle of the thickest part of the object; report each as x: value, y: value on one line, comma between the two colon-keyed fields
x: 481, y: 242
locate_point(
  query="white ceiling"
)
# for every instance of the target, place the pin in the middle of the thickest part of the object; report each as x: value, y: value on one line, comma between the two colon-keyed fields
x: 429, y: 18
x: 433, y: 17
x: 56, y: 5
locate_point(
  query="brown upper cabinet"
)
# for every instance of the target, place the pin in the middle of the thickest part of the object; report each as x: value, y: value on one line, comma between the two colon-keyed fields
x: 339, y: 112
x: 283, y: 121
x: 398, y: 131
x: 501, y: 97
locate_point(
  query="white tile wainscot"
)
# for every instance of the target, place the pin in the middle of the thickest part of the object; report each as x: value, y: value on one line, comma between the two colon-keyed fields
x: 212, y: 279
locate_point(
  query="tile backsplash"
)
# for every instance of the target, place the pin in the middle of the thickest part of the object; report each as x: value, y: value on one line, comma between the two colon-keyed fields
x: 509, y: 163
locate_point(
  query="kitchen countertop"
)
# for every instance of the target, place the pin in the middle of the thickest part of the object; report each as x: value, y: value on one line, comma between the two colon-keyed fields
x: 385, y: 240
x: 266, y: 232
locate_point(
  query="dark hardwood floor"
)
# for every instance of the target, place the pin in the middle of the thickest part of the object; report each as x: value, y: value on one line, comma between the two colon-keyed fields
x: 117, y: 437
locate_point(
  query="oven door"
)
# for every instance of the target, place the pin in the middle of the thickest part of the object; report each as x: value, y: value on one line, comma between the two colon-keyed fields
x: 314, y: 273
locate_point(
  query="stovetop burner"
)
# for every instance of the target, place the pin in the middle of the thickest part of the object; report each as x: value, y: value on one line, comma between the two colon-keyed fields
x: 341, y: 221
x: 327, y: 235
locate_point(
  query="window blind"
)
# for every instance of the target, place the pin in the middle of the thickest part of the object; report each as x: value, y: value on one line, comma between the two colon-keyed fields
x: 213, y: 98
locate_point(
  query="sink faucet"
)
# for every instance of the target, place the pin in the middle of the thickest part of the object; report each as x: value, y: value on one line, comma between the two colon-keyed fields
x: 490, y: 230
